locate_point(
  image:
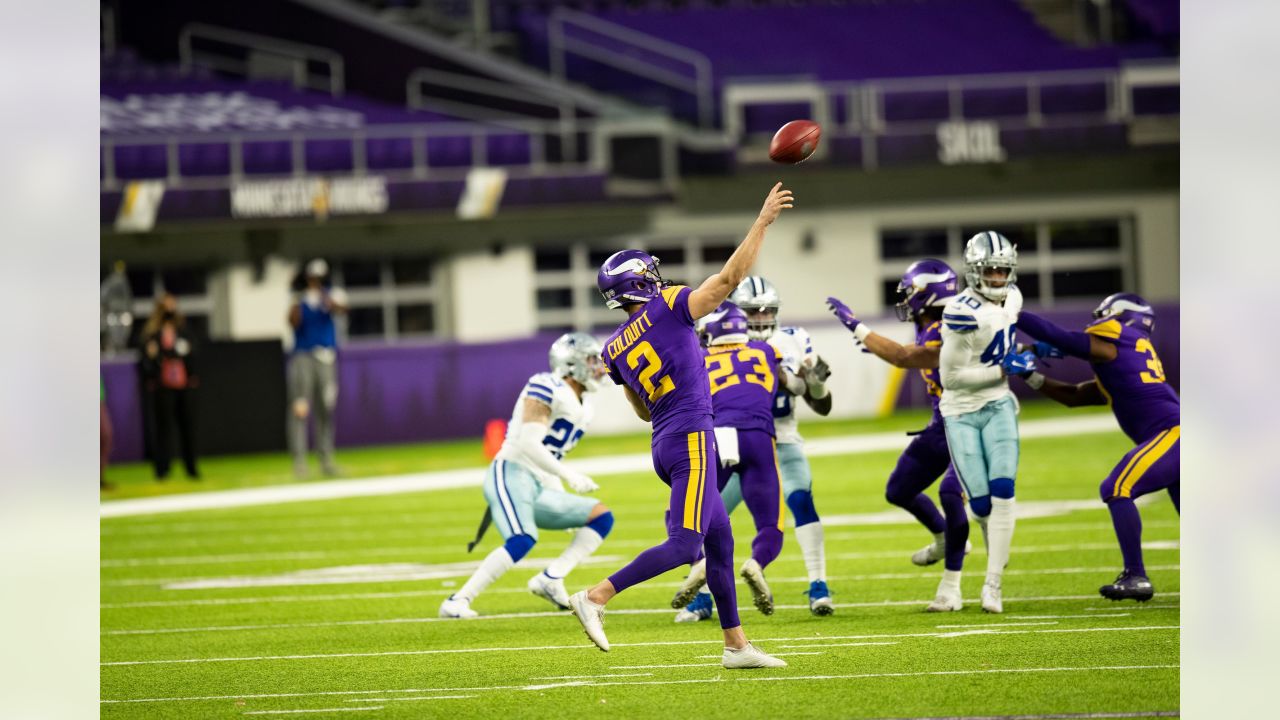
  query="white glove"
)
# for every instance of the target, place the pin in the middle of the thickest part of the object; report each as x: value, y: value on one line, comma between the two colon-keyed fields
x: 580, y: 483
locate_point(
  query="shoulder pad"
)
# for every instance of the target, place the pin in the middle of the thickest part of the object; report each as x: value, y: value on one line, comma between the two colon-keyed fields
x: 670, y: 294
x: 1109, y: 329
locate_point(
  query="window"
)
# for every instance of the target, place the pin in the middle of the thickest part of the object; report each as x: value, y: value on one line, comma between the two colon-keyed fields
x: 390, y: 298
x: 551, y: 259
x: 186, y: 280
x: 556, y: 298
x: 913, y: 243
x: 365, y: 322
x: 717, y: 254
x: 361, y: 273
x: 411, y: 270
x: 1057, y: 258
x: 416, y: 319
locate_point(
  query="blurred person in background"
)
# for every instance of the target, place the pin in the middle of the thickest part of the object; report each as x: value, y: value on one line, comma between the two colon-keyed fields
x: 169, y: 376
x: 313, y: 367
x: 117, y: 310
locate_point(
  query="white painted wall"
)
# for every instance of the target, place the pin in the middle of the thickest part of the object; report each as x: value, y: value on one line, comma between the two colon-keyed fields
x: 249, y: 309
x: 491, y: 297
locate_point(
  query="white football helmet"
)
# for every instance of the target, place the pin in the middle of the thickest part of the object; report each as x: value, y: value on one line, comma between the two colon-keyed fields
x: 759, y: 299
x: 988, y: 250
x: 578, y: 355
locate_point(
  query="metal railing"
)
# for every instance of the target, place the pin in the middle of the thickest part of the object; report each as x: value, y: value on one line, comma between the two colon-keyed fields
x: 560, y: 44
x: 299, y: 55
x: 540, y: 161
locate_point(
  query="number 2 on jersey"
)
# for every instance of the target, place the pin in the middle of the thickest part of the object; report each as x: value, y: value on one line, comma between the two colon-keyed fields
x: 665, y: 383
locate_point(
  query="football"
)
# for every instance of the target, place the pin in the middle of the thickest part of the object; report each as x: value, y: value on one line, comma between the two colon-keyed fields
x: 794, y: 142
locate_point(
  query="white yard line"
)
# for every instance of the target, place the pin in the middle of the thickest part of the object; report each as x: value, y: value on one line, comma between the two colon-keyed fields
x: 810, y: 678
x: 458, y: 651
x: 440, y: 593
x: 316, y: 710
x: 662, y: 667
x: 411, y: 699
x: 472, y: 477
x: 592, y: 677
x: 852, y: 644
x: 416, y: 573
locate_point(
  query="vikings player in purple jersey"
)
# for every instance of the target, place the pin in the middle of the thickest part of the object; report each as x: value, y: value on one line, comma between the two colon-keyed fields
x: 745, y: 375
x: 926, y: 287
x: 1131, y: 379
x: 656, y: 356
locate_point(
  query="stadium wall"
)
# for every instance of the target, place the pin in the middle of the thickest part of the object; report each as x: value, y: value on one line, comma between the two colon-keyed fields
x: 415, y: 393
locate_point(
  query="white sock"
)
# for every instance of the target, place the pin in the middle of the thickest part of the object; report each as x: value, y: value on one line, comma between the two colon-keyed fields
x: 950, y: 581
x: 940, y: 540
x: 1000, y: 538
x: 585, y: 542
x: 491, y: 568
x: 811, y: 548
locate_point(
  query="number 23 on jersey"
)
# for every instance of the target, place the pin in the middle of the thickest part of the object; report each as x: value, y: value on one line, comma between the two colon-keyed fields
x: 721, y: 369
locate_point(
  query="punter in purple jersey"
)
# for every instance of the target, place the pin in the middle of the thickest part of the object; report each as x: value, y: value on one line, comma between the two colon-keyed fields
x: 656, y: 356
x: 744, y: 376
x: 1130, y: 377
x: 926, y: 287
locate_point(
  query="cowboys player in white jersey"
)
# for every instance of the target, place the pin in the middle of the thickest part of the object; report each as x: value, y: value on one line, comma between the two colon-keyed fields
x: 978, y: 409
x: 523, y: 485
x: 805, y: 377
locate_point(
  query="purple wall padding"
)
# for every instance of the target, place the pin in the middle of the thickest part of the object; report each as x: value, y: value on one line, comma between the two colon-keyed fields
x: 1165, y: 338
x: 124, y: 405
x: 419, y: 393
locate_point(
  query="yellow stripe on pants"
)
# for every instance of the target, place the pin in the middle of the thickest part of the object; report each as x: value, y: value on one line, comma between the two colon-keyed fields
x: 702, y: 476
x: 691, y: 490
x: 1115, y: 492
x: 1170, y: 439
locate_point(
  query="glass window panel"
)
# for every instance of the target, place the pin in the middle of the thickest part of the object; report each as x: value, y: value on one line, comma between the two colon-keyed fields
x: 411, y: 270
x: 361, y: 273
x: 596, y: 258
x: 552, y: 259
x: 365, y: 321
x: 913, y: 243
x: 416, y: 319
x: 1088, y: 283
x: 185, y: 280
x: 1029, y: 284
x: 1085, y: 235
x: 668, y: 256
x: 716, y: 254
x: 555, y: 298
x: 889, y: 292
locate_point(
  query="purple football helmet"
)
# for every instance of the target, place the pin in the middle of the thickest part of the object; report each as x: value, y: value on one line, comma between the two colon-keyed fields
x: 1129, y: 309
x: 726, y: 325
x: 629, y: 276
x: 926, y: 283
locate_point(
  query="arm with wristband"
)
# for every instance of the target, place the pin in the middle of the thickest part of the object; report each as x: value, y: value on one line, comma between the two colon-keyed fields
x: 1074, y: 343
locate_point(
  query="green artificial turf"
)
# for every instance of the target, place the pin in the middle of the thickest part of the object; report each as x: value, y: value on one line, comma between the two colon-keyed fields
x: 376, y: 648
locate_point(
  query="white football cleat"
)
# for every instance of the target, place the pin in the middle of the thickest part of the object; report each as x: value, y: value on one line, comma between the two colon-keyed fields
x: 692, y: 584
x: 928, y: 555
x: 591, y: 616
x: 750, y: 657
x: 760, y: 593
x: 700, y: 609
x: 946, y: 601
x: 457, y: 608
x: 552, y: 589
x: 992, y: 601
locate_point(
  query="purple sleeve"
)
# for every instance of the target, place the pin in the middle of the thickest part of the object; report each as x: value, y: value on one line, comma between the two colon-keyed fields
x: 614, y: 375
x: 678, y: 300
x: 1072, y: 343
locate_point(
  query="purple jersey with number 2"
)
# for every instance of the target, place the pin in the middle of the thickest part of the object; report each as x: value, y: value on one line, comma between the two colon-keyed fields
x: 656, y: 354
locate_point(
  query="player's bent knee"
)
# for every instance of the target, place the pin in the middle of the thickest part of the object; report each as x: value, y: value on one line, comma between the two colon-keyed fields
x: 1002, y: 488
x: 602, y: 523
x: 981, y: 505
x: 518, y: 546
x: 801, y: 504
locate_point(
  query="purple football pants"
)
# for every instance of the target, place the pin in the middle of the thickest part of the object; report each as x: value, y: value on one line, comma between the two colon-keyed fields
x: 761, y: 483
x: 1150, y: 466
x: 695, y: 519
x: 926, y: 458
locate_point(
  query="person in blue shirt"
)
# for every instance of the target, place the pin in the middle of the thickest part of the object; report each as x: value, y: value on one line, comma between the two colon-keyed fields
x: 313, y: 367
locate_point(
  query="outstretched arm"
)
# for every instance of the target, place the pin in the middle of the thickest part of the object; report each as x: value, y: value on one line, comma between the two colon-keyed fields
x: 1085, y: 393
x: 715, y: 289
x: 898, y: 355
x: 637, y: 404
x: 1074, y: 343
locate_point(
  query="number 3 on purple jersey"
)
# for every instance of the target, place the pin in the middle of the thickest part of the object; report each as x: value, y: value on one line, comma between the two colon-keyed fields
x: 665, y: 383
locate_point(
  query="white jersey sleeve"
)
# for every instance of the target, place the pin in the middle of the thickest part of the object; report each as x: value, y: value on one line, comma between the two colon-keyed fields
x: 566, y: 426
x: 796, y: 348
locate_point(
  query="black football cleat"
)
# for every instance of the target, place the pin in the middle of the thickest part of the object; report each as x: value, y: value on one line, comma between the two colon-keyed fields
x: 1129, y: 587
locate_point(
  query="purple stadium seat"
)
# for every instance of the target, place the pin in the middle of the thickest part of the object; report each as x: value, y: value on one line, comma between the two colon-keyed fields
x: 512, y: 149
x: 329, y: 156
x: 270, y: 157
x: 994, y: 102
x: 204, y: 159
x: 136, y: 162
